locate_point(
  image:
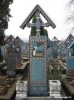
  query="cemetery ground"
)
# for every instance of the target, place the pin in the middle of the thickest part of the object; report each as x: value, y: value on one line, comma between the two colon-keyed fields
x: 8, y: 84
x: 56, y: 71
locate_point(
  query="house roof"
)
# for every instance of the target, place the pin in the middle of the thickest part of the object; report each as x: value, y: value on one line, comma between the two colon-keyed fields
x: 37, y: 7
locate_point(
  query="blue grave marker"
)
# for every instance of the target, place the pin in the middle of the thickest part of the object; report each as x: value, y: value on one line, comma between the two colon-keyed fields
x: 70, y: 60
x: 38, y: 65
x: 37, y: 54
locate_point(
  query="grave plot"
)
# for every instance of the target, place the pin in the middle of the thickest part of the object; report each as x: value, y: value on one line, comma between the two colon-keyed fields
x: 68, y: 85
x: 5, y: 84
x: 55, y: 72
x: 38, y: 53
x: 68, y: 79
x: 8, y: 86
x: 18, y: 70
x: 38, y: 68
x: 14, y: 62
x: 37, y: 85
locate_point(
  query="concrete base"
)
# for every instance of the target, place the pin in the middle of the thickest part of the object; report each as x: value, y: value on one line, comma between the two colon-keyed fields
x: 19, y: 70
x: 55, y: 95
x: 41, y: 98
x: 55, y: 86
x: 21, y: 95
x: 21, y: 89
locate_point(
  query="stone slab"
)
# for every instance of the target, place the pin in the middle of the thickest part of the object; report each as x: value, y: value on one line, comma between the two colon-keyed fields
x: 19, y: 70
x: 22, y: 67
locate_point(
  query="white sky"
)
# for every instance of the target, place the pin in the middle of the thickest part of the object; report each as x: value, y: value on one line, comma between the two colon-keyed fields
x: 55, y: 9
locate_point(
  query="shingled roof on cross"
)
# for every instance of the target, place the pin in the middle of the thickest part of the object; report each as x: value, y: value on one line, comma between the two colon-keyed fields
x: 37, y: 7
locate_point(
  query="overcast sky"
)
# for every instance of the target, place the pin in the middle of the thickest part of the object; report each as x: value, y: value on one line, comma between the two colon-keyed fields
x: 55, y: 9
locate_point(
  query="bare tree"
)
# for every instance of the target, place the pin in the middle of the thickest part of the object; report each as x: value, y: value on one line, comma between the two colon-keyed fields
x: 70, y: 18
x: 71, y: 2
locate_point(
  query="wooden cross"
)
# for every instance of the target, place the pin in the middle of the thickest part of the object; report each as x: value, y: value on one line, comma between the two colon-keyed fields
x: 38, y: 23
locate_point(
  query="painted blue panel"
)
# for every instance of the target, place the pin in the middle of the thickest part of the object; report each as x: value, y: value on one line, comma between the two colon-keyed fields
x: 38, y: 49
x: 38, y: 55
x: 38, y: 70
x: 70, y: 65
x: 38, y: 90
x: 70, y: 62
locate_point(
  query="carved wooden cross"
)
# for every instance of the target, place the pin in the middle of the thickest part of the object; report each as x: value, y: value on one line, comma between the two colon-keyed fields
x: 38, y: 23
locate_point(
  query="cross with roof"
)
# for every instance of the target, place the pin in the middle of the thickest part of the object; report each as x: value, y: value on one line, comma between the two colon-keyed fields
x: 38, y: 23
x: 36, y: 12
